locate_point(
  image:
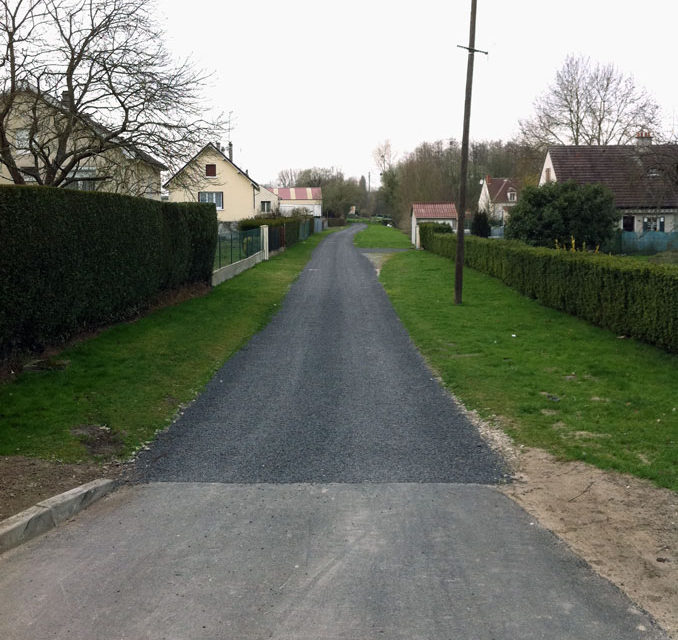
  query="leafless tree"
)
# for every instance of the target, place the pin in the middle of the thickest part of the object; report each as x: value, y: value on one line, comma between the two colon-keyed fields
x: 288, y: 178
x: 590, y: 104
x: 383, y: 156
x: 92, y: 79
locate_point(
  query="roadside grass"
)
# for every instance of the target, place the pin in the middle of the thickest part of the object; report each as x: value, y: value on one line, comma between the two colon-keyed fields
x: 381, y: 237
x: 132, y: 379
x: 548, y: 379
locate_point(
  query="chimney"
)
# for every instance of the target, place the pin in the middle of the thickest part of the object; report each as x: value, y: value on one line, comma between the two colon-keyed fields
x: 230, y: 151
x: 643, y: 139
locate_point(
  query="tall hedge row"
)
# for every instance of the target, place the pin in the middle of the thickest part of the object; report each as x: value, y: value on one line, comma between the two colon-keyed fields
x: 70, y: 260
x: 628, y: 297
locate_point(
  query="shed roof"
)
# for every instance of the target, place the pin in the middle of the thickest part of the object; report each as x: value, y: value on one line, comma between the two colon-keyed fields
x: 439, y: 210
x: 298, y: 193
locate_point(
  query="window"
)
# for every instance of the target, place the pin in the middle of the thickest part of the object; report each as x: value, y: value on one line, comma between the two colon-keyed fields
x: 653, y: 223
x: 265, y: 206
x: 84, y: 179
x: 215, y: 197
x: 211, y: 170
x: 512, y: 196
x: 628, y: 223
x: 547, y: 177
x: 21, y: 138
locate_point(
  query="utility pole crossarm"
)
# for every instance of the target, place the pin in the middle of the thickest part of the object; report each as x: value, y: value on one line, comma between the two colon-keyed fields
x: 472, y: 50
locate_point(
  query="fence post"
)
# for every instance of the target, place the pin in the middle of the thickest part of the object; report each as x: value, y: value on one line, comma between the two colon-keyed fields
x: 264, y: 239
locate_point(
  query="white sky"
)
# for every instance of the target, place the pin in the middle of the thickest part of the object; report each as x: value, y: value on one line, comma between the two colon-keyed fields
x: 322, y: 84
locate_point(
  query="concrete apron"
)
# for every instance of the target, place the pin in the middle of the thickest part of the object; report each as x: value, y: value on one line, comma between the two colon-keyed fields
x: 293, y: 561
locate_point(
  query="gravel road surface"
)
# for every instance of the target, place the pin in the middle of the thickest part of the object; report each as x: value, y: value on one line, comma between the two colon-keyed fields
x: 332, y: 390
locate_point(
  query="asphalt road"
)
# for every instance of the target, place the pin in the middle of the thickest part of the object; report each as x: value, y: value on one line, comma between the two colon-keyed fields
x: 323, y: 487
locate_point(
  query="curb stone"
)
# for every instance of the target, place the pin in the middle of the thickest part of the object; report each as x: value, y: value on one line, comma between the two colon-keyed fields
x: 49, y: 513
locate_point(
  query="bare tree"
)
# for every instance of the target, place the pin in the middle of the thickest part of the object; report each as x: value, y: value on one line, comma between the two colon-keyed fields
x: 91, y: 79
x: 383, y: 156
x: 288, y: 177
x: 590, y: 104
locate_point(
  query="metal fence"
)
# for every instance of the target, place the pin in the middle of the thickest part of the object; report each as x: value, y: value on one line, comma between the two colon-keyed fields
x: 234, y: 246
x: 648, y: 242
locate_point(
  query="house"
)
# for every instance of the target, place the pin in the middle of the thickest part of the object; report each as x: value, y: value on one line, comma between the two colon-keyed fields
x: 641, y: 177
x: 497, y: 197
x: 266, y: 201
x: 442, y: 212
x: 212, y: 176
x: 37, y: 127
x: 309, y: 198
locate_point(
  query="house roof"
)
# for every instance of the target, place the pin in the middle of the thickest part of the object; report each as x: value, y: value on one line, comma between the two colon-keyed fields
x: 439, y: 210
x: 214, y: 147
x: 498, y: 188
x: 298, y: 193
x: 95, y: 126
x: 638, y: 176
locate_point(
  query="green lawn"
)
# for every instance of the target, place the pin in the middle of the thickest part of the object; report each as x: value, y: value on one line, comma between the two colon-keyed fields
x: 378, y: 236
x: 134, y: 377
x: 549, y: 379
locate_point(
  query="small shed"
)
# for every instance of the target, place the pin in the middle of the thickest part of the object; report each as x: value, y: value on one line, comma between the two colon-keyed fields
x: 442, y: 212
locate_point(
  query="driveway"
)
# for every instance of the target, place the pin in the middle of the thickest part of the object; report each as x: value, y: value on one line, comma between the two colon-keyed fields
x: 323, y: 486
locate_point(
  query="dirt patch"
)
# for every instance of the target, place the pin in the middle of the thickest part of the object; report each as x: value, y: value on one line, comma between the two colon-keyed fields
x: 624, y: 527
x: 27, y: 481
x: 99, y: 440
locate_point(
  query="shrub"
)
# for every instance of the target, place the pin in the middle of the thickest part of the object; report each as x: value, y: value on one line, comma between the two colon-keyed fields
x: 480, y: 225
x: 72, y: 260
x: 628, y: 297
x: 559, y: 211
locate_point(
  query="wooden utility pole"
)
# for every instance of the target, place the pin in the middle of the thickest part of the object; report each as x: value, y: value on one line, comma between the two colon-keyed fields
x: 461, y: 203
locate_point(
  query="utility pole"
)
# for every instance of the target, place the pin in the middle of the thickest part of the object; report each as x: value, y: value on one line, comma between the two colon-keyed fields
x: 461, y: 212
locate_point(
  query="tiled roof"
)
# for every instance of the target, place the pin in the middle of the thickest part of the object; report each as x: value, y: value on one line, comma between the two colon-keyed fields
x: 637, y: 176
x: 498, y: 188
x: 442, y: 210
x: 299, y: 193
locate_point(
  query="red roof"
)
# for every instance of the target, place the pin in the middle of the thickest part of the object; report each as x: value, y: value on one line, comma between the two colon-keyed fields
x: 498, y: 189
x: 298, y: 193
x: 441, y: 210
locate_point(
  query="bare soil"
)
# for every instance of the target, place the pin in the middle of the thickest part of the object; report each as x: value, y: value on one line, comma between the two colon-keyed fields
x: 26, y: 481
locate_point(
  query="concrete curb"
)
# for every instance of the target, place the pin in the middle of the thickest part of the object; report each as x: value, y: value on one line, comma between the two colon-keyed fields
x: 51, y: 512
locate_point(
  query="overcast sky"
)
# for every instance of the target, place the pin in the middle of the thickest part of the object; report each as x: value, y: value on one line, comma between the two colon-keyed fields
x: 315, y: 84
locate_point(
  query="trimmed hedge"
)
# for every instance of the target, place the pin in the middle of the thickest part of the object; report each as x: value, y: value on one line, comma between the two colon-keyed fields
x: 625, y: 296
x: 72, y: 261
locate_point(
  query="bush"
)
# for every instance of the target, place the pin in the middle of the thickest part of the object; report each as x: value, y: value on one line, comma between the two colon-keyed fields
x: 291, y: 230
x: 624, y: 296
x: 480, y: 225
x: 73, y: 260
x: 559, y: 211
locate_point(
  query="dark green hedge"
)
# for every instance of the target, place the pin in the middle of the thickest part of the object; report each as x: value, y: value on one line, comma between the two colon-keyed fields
x: 625, y: 296
x: 71, y: 261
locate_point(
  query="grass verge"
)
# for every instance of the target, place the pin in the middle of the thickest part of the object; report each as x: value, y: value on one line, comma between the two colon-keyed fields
x: 550, y: 380
x: 380, y: 237
x: 120, y: 387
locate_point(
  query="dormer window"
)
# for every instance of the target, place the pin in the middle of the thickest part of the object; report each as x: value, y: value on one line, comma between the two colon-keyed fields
x: 512, y: 196
x: 211, y: 170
